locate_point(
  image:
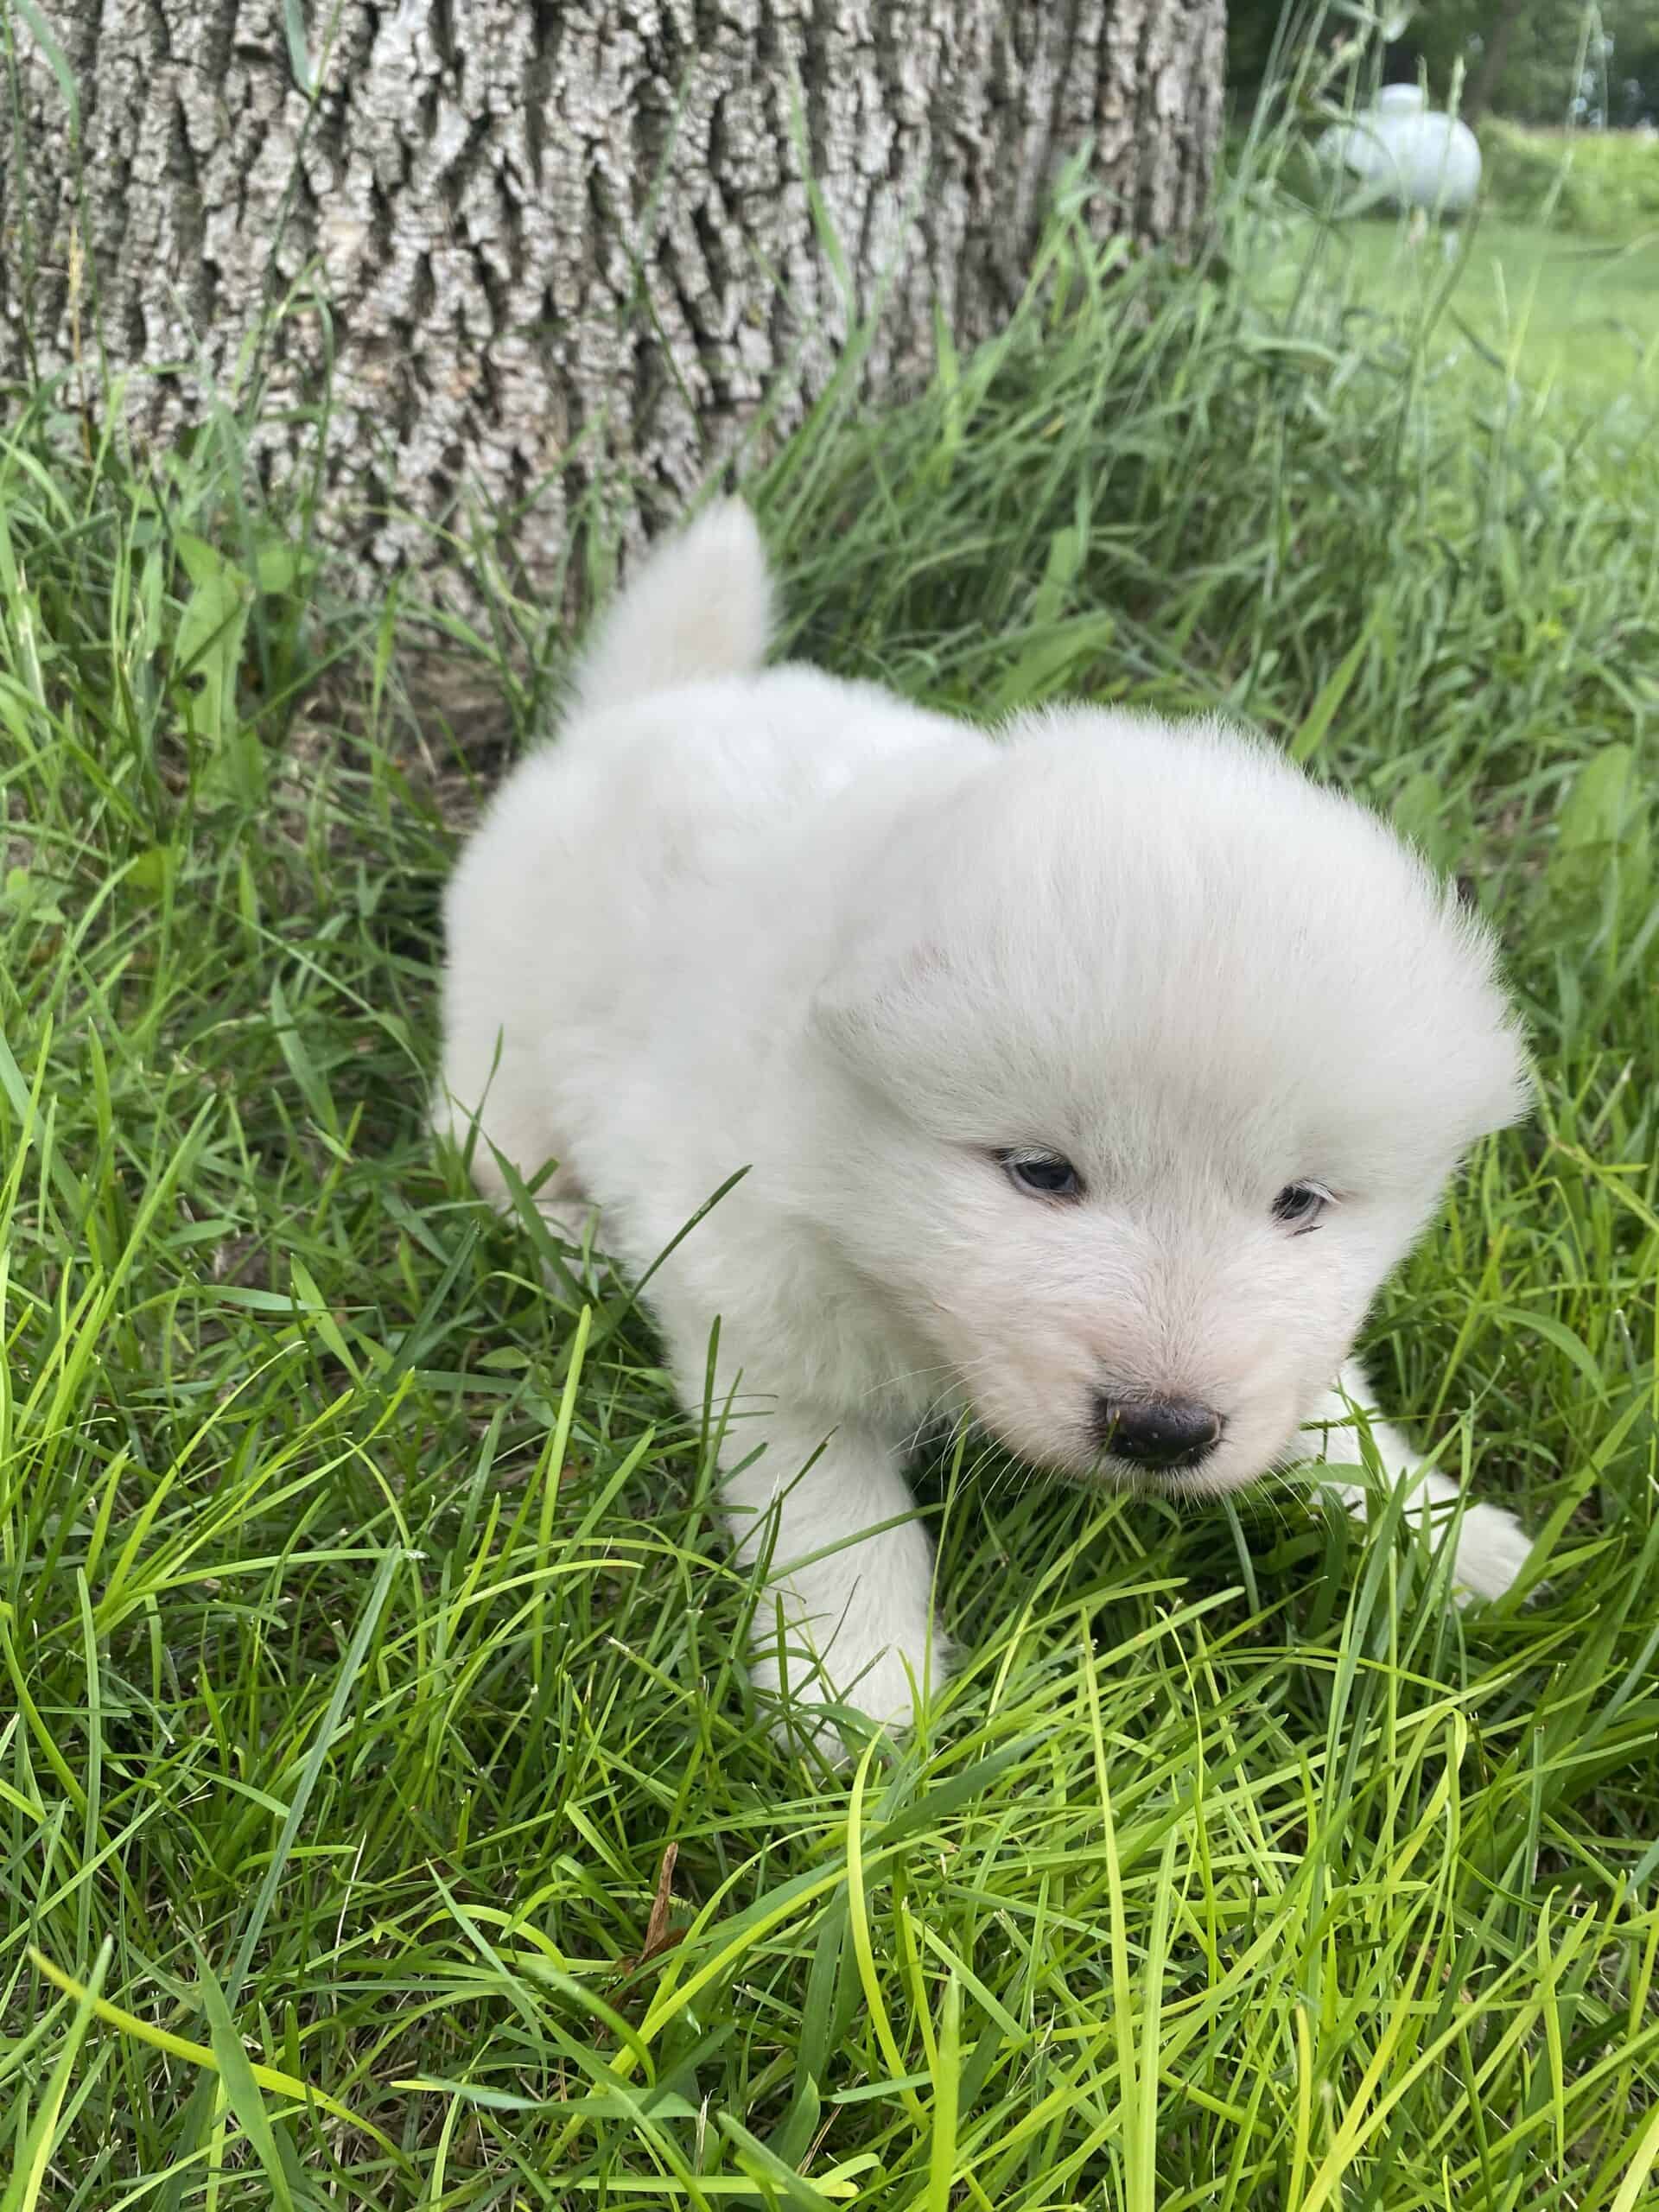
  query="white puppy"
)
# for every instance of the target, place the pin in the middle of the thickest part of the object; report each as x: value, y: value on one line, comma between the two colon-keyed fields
x: 1089, y: 1078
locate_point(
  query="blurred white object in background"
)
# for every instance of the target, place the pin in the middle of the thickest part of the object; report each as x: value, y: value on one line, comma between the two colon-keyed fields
x: 1412, y: 155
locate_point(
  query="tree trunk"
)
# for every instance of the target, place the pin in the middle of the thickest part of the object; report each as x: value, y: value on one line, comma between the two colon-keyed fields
x: 1495, y: 54
x: 528, y: 245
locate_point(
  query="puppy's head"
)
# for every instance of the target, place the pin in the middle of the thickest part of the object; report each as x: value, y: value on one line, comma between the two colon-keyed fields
x: 1147, y: 1063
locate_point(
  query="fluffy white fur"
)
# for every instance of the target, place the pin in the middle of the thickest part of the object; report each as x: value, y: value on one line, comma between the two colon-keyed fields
x: 768, y: 919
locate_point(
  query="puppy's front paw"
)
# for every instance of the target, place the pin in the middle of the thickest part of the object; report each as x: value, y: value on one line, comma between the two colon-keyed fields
x: 1492, y: 1549
x: 881, y: 1679
x: 1492, y: 1546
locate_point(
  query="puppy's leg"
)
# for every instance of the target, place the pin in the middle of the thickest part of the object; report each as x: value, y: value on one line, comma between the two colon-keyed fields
x: 853, y: 1595
x: 567, y: 1210
x: 1492, y: 1545
x: 560, y: 1198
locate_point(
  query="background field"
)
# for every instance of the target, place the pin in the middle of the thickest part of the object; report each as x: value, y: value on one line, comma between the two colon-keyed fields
x: 1553, y: 280
x: 1573, y: 322
x: 385, y: 1820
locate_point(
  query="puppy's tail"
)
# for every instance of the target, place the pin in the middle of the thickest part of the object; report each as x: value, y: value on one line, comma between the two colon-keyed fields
x: 701, y: 607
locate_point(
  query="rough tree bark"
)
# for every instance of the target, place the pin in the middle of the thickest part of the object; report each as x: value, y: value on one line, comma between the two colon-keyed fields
x: 560, y: 238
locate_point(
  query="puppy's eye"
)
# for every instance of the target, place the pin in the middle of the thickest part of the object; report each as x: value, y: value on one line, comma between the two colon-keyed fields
x: 1300, y: 1206
x: 1043, y: 1173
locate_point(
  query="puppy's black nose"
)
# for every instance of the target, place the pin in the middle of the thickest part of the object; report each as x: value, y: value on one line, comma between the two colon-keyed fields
x: 1156, y: 1433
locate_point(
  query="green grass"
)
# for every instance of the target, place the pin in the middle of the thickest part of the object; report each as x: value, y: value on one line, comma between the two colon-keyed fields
x: 1573, y: 322
x: 386, y: 1817
x: 1601, y: 183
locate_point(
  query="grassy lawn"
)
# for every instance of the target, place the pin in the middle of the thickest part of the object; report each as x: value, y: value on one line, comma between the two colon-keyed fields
x: 1575, y: 320
x: 386, y: 1817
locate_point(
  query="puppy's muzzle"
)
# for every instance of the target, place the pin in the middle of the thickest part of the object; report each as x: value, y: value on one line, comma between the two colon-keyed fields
x: 1159, y: 1433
